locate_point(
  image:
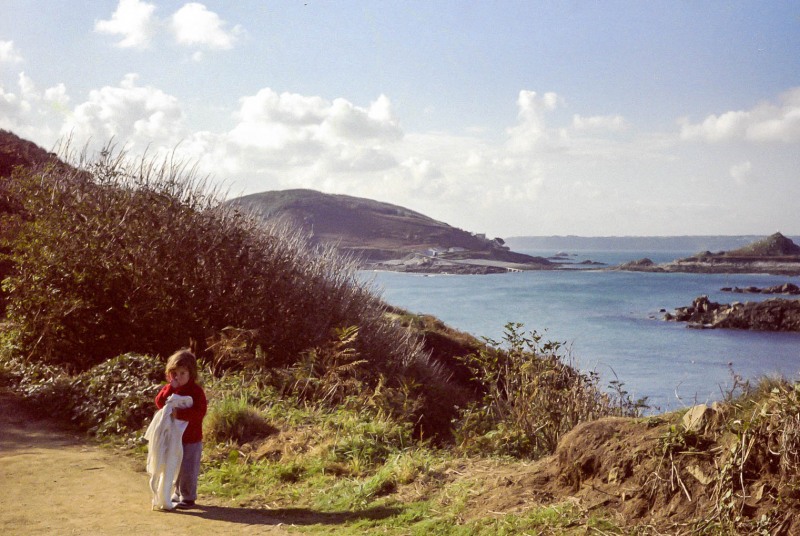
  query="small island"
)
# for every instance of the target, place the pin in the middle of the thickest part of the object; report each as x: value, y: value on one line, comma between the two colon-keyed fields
x: 775, y: 254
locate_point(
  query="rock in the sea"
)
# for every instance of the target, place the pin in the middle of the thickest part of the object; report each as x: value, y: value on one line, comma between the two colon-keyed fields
x: 787, y: 288
x: 774, y: 314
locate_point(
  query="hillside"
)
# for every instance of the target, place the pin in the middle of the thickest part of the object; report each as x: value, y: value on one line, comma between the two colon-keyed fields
x: 373, y: 230
x: 15, y: 151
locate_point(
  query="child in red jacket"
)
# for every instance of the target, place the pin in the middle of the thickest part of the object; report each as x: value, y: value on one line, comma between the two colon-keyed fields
x: 182, y: 380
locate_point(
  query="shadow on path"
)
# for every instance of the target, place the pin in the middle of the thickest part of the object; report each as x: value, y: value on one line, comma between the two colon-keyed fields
x: 286, y: 516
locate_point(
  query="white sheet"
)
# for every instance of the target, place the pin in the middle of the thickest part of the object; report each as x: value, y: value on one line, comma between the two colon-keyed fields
x: 165, y: 450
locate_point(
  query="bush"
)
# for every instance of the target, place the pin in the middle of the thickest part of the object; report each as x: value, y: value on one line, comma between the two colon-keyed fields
x: 114, y: 398
x: 118, y: 396
x: 117, y: 256
x: 530, y: 397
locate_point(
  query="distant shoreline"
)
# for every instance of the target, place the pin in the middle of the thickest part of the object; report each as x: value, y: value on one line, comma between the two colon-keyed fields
x: 694, y: 243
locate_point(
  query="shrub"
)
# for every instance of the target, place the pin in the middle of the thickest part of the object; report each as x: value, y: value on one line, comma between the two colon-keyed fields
x: 114, y: 398
x: 117, y: 256
x: 117, y: 396
x: 530, y: 397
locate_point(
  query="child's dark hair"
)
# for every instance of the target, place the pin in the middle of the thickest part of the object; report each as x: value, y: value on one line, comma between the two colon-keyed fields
x: 182, y: 358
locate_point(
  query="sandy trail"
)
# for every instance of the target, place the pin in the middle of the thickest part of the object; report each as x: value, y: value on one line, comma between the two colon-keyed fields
x: 53, y: 482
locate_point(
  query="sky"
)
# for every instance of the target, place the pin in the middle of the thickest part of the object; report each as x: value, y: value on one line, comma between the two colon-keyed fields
x: 509, y: 118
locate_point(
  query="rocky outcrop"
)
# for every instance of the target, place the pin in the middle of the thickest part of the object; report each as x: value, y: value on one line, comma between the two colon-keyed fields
x: 644, y: 264
x: 787, y: 288
x: 774, y: 314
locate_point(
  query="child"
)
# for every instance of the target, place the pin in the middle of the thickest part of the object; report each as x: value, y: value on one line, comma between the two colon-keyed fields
x: 182, y: 380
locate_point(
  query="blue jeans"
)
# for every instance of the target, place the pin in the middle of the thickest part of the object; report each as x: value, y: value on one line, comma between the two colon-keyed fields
x: 186, y: 485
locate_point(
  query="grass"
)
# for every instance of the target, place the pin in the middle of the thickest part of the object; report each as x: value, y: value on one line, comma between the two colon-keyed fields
x: 358, y: 464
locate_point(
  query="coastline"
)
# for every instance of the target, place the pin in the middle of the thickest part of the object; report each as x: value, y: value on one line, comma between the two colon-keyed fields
x: 756, y: 266
x: 424, y: 264
x: 427, y: 264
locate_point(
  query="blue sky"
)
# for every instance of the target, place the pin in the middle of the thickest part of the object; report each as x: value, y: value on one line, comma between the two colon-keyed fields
x: 509, y: 118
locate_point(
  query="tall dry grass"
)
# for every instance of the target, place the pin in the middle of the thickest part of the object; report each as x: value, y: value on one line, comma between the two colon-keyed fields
x: 116, y: 255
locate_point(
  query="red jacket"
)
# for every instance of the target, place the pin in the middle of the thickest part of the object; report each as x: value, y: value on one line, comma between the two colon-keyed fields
x: 195, y: 414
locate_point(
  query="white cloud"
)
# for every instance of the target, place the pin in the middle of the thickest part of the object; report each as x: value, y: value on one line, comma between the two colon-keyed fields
x: 554, y: 173
x: 135, y: 115
x: 8, y: 53
x: 32, y: 113
x: 531, y: 130
x: 345, y: 121
x: 267, y: 106
x: 194, y: 25
x: 767, y: 122
x: 133, y: 20
x: 291, y: 129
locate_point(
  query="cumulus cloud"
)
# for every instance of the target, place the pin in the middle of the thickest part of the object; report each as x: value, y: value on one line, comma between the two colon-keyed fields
x: 553, y: 173
x: 195, y: 25
x: 314, y: 127
x: 8, y: 53
x: 531, y: 130
x: 767, y: 122
x: 133, y: 20
x: 140, y: 116
x: 346, y: 121
x: 33, y: 113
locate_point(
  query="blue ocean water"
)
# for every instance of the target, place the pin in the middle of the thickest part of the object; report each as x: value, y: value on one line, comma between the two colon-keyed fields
x: 612, y: 322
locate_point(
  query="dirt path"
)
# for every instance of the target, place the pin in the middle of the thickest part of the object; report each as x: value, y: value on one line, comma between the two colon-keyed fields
x: 52, y: 482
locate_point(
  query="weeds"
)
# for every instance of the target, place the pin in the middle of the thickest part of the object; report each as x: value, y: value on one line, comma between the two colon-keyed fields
x: 232, y: 419
x: 530, y: 397
x: 114, y: 398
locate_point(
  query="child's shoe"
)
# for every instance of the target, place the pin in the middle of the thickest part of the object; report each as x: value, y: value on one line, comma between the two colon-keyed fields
x: 185, y: 505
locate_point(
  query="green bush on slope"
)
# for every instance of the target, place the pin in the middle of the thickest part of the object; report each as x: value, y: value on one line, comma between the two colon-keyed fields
x: 114, y: 398
x: 530, y: 397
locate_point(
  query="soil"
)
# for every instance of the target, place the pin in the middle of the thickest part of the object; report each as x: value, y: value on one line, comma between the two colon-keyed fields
x: 54, y: 482
x: 621, y: 468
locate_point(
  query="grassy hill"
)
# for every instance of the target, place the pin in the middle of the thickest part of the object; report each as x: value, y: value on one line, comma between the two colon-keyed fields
x: 371, y: 229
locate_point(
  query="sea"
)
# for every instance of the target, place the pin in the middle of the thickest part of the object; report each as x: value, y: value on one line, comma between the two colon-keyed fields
x: 611, y: 322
